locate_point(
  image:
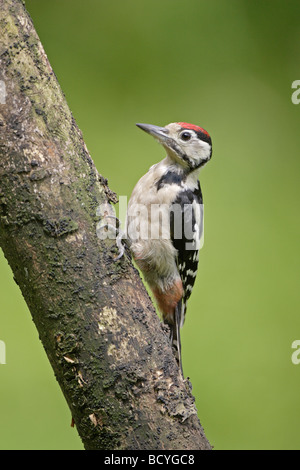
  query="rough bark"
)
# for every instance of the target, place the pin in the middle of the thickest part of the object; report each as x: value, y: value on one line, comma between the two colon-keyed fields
x: 108, y: 350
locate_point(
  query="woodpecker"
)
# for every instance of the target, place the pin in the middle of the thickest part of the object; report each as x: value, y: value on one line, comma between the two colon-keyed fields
x: 165, y: 220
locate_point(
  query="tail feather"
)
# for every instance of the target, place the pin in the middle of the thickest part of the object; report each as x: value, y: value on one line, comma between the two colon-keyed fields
x: 175, y: 333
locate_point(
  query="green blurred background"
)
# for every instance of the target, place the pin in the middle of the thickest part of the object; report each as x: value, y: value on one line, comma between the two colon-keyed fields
x: 228, y: 66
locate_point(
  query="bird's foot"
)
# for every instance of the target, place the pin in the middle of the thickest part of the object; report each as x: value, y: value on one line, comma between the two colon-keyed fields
x: 119, y: 234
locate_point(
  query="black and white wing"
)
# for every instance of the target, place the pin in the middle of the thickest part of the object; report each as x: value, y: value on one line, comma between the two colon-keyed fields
x: 186, y: 232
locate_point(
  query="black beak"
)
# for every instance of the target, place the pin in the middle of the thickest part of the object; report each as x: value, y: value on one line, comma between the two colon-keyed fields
x: 159, y: 133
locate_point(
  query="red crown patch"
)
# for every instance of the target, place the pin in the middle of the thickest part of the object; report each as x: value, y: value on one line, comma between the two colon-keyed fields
x: 186, y: 125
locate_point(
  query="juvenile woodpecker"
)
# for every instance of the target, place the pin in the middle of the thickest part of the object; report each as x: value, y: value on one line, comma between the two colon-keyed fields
x: 165, y: 220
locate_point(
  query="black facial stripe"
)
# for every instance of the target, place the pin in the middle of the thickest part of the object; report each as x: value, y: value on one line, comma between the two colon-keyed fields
x: 171, y: 177
x: 201, y: 135
x: 204, y: 137
x: 191, y: 163
x: 172, y: 145
x: 182, y: 155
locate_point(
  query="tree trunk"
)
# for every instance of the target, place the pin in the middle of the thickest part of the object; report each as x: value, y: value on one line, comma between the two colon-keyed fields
x: 109, y: 352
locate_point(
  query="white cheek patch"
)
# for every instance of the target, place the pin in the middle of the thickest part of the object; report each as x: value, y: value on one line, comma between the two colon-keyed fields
x: 206, y: 152
x: 200, y: 150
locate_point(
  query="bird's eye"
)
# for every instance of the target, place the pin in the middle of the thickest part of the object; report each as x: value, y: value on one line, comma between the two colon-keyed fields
x: 185, y: 136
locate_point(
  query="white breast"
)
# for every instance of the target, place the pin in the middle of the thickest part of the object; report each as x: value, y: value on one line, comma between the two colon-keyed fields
x: 148, y: 227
